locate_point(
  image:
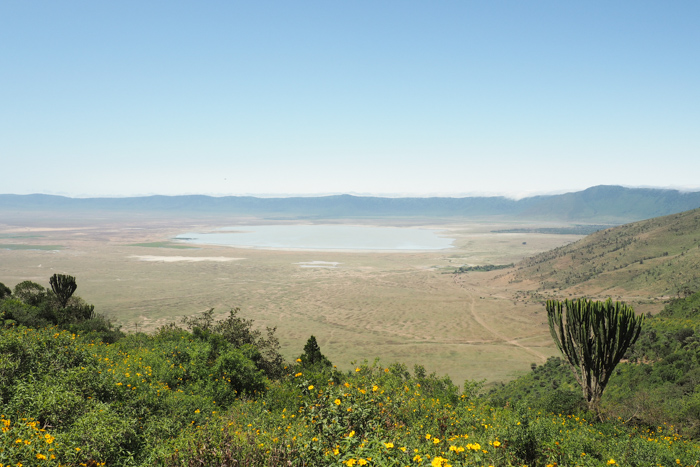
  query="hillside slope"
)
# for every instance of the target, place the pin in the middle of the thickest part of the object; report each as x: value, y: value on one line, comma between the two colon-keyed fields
x: 659, y: 257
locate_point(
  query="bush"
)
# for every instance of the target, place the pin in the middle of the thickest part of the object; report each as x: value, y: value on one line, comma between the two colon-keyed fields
x: 5, y: 291
x: 17, y: 313
x: 238, y: 332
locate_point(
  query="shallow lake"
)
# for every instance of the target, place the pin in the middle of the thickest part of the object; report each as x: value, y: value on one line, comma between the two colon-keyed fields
x: 322, y: 237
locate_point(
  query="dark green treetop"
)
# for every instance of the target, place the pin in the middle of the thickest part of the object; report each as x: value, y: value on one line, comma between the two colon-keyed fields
x: 5, y: 291
x: 312, y: 354
x: 30, y: 293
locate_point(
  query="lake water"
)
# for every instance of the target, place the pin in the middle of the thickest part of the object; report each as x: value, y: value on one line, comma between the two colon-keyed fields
x: 322, y: 237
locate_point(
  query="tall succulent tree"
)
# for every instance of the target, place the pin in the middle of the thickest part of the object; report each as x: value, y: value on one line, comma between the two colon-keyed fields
x: 593, y: 336
x: 63, y: 286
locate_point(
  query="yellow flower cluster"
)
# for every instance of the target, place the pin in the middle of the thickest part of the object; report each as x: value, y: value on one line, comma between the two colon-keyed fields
x: 351, y: 462
x: 440, y: 462
x: 25, y: 439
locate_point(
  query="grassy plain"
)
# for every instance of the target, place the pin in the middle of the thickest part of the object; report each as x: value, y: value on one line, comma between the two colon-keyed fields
x: 398, y: 306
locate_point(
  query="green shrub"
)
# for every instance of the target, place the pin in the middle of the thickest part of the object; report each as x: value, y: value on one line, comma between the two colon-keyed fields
x: 5, y: 291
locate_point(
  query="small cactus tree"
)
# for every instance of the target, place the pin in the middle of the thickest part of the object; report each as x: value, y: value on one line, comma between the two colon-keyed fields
x: 63, y: 286
x: 593, y: 336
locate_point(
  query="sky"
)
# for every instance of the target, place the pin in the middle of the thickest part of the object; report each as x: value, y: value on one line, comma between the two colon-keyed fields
x: 391, y: 98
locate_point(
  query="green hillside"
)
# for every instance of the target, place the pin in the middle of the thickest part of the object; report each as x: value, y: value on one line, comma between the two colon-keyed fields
x: 655, y: 257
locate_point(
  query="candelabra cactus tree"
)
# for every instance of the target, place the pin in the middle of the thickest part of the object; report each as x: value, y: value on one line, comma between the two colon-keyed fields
x: 63, y: 286
x: 593, y: 336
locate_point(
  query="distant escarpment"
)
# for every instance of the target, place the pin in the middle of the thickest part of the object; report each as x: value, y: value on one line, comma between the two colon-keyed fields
x: 611, y: 205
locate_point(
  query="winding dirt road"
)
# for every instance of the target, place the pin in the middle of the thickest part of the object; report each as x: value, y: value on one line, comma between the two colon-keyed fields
x: 497, y: 335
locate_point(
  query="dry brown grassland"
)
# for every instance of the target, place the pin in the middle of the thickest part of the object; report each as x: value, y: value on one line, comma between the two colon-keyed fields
x: 398, y: 306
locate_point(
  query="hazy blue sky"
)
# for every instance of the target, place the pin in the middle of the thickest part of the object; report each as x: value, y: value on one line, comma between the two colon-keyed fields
x: 384, y: 97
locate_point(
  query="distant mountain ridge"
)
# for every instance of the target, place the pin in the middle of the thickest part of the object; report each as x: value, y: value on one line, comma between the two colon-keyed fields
x: 612, y: 204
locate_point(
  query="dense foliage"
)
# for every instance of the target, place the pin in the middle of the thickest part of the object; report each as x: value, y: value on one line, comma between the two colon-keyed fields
x: 212, y: 393
x: 35, y: 306
x: 657, y: 385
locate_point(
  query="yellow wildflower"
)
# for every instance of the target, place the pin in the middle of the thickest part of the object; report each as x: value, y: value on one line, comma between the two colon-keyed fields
x: 440, y: 462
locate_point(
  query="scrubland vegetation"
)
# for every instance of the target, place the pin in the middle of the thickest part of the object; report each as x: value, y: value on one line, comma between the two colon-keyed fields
x: 483, y: 268
x: 74, y: 390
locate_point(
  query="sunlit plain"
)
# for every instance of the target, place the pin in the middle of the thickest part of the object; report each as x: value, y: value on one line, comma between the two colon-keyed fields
x: 396, y: 306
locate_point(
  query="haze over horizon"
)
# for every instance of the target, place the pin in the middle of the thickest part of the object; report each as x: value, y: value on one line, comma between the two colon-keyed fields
x: 367, y: 98
x: 510, y: 195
